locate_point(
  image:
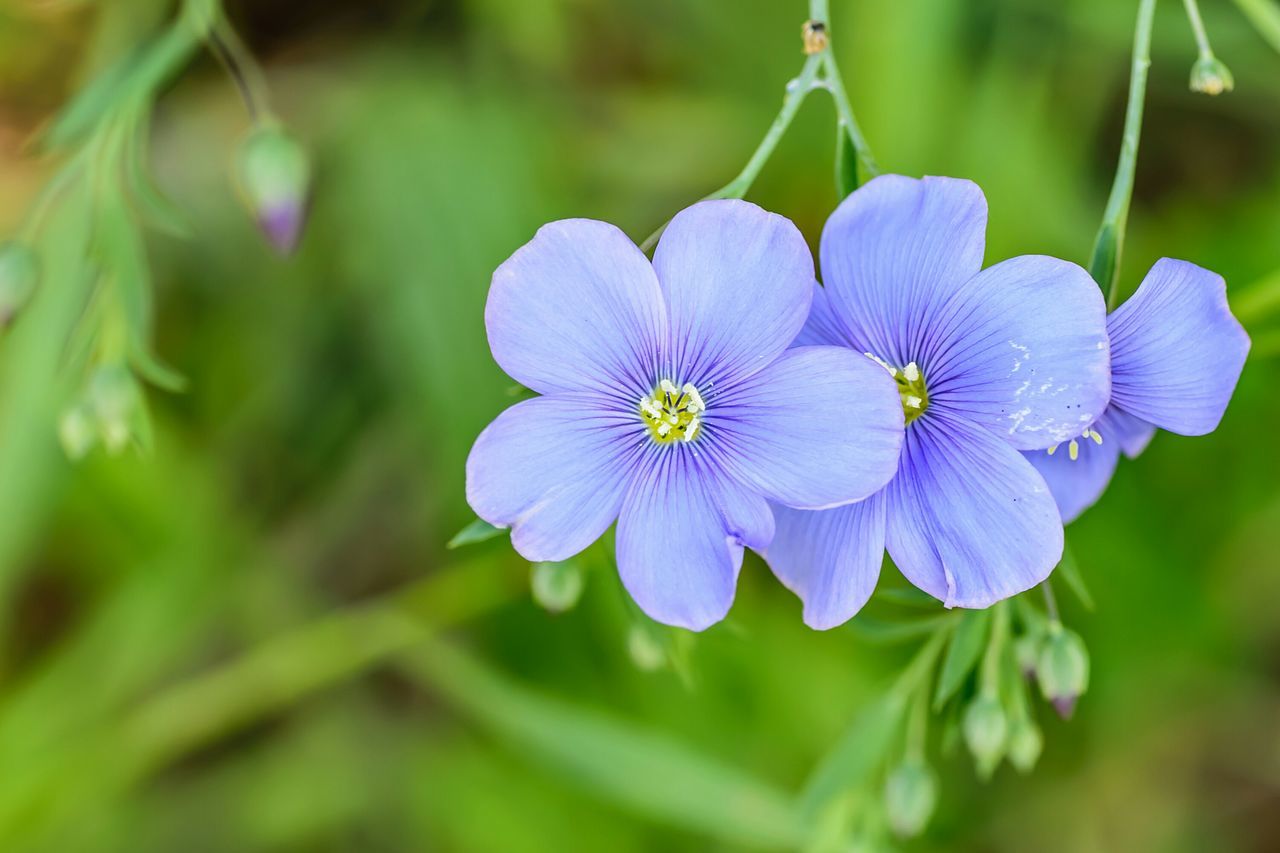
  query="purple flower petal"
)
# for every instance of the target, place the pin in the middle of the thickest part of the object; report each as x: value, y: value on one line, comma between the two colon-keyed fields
x: 1022, y: 349
x: 820, y: 427
x: 738, y: 281
x: 1176, y: 350
x: 680, y: 538
x: 554, y: 470
x: 824, y: 327
x: 969, y: 520
x: 894, y: 252
x: 577, y: 308
x: 831, y: 558
x: 1132, y: 434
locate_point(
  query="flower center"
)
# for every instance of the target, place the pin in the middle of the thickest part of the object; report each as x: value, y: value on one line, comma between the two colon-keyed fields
x: 910, y: 387
x: 1073, y: 446
x: 671, y: 413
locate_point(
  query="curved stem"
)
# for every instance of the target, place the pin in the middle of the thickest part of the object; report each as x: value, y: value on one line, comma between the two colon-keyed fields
x: 1104, y: 265
x: 1197, y: 28
x: 990, y: 675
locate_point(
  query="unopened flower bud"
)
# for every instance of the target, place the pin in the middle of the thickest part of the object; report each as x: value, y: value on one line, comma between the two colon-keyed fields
x: 910, y: 795
x: 646, y: 651
x: 985, y: 732
x: 1026, y: 649
x: 274, y: 173
x: 76, y: 432
x: 1063, y: 670
x: 1210, y: 76
x: 1025, y: 745
x: 556, y: 586
x: 17, y: 279
x: 116, y: 402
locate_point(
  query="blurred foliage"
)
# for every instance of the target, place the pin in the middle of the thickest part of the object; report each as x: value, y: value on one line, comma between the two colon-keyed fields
x: 255, y: 639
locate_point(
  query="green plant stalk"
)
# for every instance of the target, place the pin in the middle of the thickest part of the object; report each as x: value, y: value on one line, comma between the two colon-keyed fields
x: 1197, y: 29
x: 1265, y: 17
x: 1104, y: 264
x: 990, y: 674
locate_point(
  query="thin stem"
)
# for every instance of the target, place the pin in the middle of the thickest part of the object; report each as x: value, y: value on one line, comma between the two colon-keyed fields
x: 797, y: 90
x: 238, y: 62
x: 918, y: 723
x: 990, y: 674
x: 1197, y: 27
x: 1105, y: 264
x: 1050, y: 603
x: 1265, y: 17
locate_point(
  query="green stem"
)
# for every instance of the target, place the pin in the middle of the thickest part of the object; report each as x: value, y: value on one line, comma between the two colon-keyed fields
x: 918, y: 723
x: 1050, y: 603
x: 1197, y: 28
x: 990, y: 674
x: 797, y: 90
x: 225, y: 44
x: 1265, y: 17
x: 1104, y: 265
x: 834, y: 83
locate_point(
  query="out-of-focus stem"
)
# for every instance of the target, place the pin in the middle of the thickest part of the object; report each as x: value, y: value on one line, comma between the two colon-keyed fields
x: 1105, y: 262
x: 1197, y: 28
x: 1265, y: 17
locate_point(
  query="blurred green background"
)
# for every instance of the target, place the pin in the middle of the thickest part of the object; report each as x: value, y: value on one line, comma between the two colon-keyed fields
x: 254, y: 639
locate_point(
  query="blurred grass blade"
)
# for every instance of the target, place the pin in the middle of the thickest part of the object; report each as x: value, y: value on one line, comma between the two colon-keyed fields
x: 908, y: 596
x: 1069, y: 569
x: 962, y: 655
x: 863, y: 746
x: 477, y: 531
x: 1265, y: 17
x: 883, y: 632
x: 641, y: 771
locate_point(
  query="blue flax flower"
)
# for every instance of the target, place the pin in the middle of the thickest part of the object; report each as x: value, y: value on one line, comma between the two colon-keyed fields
x: 671, y: 402
x: 1176, y: 354
x: 988, y: 363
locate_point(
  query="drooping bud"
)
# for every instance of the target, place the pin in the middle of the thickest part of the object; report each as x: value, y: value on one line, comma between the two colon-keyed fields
x: 910, y: 796
x: 274, y: 174
x: 986, y: 730
x: 645, y: 649
x: 1063, y: 670
x: 116, y: 400
x: 1211, y: 77
x: 18, y: 276
x: 1025, y: 744
x: 1026, y: 650
x: 556, y: 586
x: 76, y: 432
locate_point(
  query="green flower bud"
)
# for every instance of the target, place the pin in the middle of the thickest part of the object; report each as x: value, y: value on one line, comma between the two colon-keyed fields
x: 1063, y: 670
x: 985, y: 732
x: 1026, y: 649
x: 115, y: 399
x: 910, y: 796
x: 18, y: 277
x: 274, y: 174
x: 646, y: 651
x: 1025, y: 745
x: 1210, y: 76
x: 556, y: 586
x: 76, y: 432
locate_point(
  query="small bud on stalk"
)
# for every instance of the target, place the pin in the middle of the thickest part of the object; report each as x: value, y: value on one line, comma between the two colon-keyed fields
x: 985, y: 731
x: 274, y: 174
x: 1063, y: 670
x: 556, y: 586
x: 1211, y: 77
x: 18, y: 278
x: 1025, y: 745
x: 1026, y: 649
x: 910, y: 796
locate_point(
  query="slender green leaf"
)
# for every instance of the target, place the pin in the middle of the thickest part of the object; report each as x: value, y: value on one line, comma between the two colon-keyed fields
x: 477, y: 531
x: 644, y: 772
x: 860, y: 750
x: 962, y: 655
x: 846, y: 164
x: 887, y: 633
x: 1069, y: 570
x: 1265, y: 17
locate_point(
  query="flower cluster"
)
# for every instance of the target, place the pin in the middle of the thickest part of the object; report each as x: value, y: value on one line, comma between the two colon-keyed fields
x: 719, y: 398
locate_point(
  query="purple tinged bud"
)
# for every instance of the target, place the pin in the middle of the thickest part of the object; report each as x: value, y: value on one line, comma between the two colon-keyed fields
x: 910, y: 796
x: 1063, y: 670
x: 274, y: 175
x: 18, y: 277
x: 1027, y: 651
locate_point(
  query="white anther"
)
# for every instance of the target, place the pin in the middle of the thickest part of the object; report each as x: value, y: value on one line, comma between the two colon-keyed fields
x: 673, y: 419
x: 664, y: 430
x: 893, y: 371
x: 670, y: 387
x: 691, y: 430
x: 911, y: 372
x: 650, y: 408
x: 1073, y: 450
x: 695, y: 399
x: 911, y: 401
